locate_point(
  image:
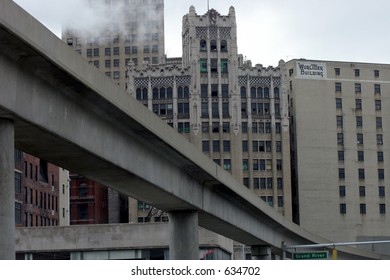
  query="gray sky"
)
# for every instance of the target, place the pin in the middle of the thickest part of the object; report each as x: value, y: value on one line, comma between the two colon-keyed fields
x: 268, y: 30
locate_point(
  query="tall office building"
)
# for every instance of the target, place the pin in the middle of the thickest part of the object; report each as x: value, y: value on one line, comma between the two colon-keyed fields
x: 134, y: 31
x: 235, y: 113
x: 340, y: 135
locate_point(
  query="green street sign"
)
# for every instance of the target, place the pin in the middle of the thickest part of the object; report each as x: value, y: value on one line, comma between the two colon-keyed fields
x: 310, y: 255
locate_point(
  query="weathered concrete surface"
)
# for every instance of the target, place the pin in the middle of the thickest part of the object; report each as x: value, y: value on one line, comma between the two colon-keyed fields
x: 106, y: 237
x: 71, y: 114
x: 7, y: 190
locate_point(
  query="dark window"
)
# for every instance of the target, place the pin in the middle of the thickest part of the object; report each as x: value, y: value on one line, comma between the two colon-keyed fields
x: 224, y: 65
x: 18, y: 213
x: 216, y: 146
x: 205, y: 146
x: 203, y: 45
x: 83, y: 190
x: 358, y: 104
x: 378, y: 122
x: 341, y: 173
x: 343, y: 208
x: 377, y: 88
x: 227, y: 164
x: 361, y: 174
x: 362, y: 191
x: 360, y: 155
x: 226, y: 146
x: 244, y: 145
x: 340, y: 138
x: 379, y: 139
x: 357, y: 72
x: 83, y: 211
x: 338, y: 87
x: 381, y: 174
x: 224, y: 46
x: 341, y: 155
x: 203, y: 65
x: 337, y: 71
x: 380, y: 156
x: 213, y: 45
x: 116, y: 51
x: 358, y: 88
x: 18, y: 182
x: 359, y: 139
x: 203, y: 90
x: 382, y: 208
x: 339, y: 103
x: 213, y: 65
x: 363, y: 209
x: 381, y: 190
x: 339, y: 120
x: 378, y: 105
x: 376, y: 73
x: 342, y: 191
x: 359, y: 121
x: 43, y: 175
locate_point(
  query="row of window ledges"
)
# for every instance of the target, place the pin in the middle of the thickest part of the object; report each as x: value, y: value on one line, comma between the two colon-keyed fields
x: 363, y: 208
x: 359, y: 139
x: 213, y: 45
x: 260, y: 127
x: 163, y: 93
x: 257, y: 146
x: 116, y: 51
x: 362, y: 191
x: 114, y: 39
x: 43, y: 176
x: 358, y: 89
x: 262, y: 165
x: 357, y: 72
x: 28, y: 220
x: 360, y: 156
x: 44, y: 201
x: 359, y: 122
x: 116, y: 62
x: 359, y: 105
x: 263, y: 183
x: 361, y: 174
x: 259, y: 93
x: 270, y: 200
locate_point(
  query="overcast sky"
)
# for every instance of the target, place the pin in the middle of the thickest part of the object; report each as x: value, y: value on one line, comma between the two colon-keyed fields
x: 268, y: 30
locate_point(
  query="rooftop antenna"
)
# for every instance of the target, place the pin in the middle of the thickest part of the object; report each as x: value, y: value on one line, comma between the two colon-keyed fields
x: 208, y: 5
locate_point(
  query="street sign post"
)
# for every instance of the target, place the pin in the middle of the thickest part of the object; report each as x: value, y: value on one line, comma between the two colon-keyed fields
x: 318, y: 255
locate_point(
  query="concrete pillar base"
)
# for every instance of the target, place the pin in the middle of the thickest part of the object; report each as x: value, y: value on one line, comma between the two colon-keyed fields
x: 7, y: 190
x: 183, y: 235
x: 261, y: 253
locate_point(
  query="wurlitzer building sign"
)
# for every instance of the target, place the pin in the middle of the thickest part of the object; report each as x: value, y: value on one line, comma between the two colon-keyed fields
x: 311, y: 70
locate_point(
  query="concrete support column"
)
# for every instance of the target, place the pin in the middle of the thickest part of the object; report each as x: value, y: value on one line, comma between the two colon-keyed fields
x: 183, y: 235
x: 261, y: 253
x: 7, y: 190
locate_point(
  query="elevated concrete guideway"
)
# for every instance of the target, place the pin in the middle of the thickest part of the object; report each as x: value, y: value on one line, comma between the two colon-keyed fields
x: 67, y: 112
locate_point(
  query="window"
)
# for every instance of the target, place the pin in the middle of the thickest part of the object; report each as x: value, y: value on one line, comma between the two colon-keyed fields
x: 378, y: 105
x: 338, y: 87
x: 224, y: 65
x: 381, y: 190
x: 342, y: 191
x: 203, y: 45
x: 255, y: 165
x: 116, y: 51
x: 216, y: 146
x: 225, y: 91
x: 116, y: 62
x: 378, y: 122
x: 246, y: 182
x: 83, y: 190
x: 83, y: 211
x: 225, y: 127
x: 381, y: 174
x: 363, y: 209
x: 277, y: 128
x: 357, y: 72
x: 244, y: 145
x: 96, y: 63
x: 377, y: 89
x: 379, y: 139
x: 279, y: 165
x: 380, y: 156
x: 18, y: 182
x: 89, y: 52
x: 343, y: 208
x: 134, y: 50
x: 203, y: 65
x: 227, y: 164
x: 213, y: 65
x: 256, y: 184
x: 337, y: 71
x: 279, y: 182
x: 278, y: 146
x: 382, y: 208
x: 226, y: 146
x: 183, y: 127
x: 359, y: 121
x: 341, y: 173
x: 146, y: 49
x: 223, y: 46
x: 339, y: 103
x: 376, y: 73
x: 96, y: 52
x: 361, y: 173
x: 18, y: 213
x: 107, y: 63
x: 213, y: 45
x: 339, y: 120
x: 341, y: 155
x: 358, y: 104
x: 116, y: 75
x: 360, y: 155
x: 362, y: 191
x: 359, y: 139
x: 245, y: 164
x: 340, y: 138
x: 358, y: 88
x: 244, y: 127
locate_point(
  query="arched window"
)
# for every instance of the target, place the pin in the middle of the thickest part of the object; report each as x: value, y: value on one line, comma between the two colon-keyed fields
x: 266, y: 92
x: 180, y: 93
x: 186, y: 93
x: 213, y: 45
x: 169, y: 93
x: 155, y: 93
x: 145, y: 94
x: 138, y: 94
x: 276, y: 93
x: 203, y: 45
x: 223, y: 46
x: 162, y: 93
x: 259, y: 92
x: 243, y: 92
x: 253, y: 92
